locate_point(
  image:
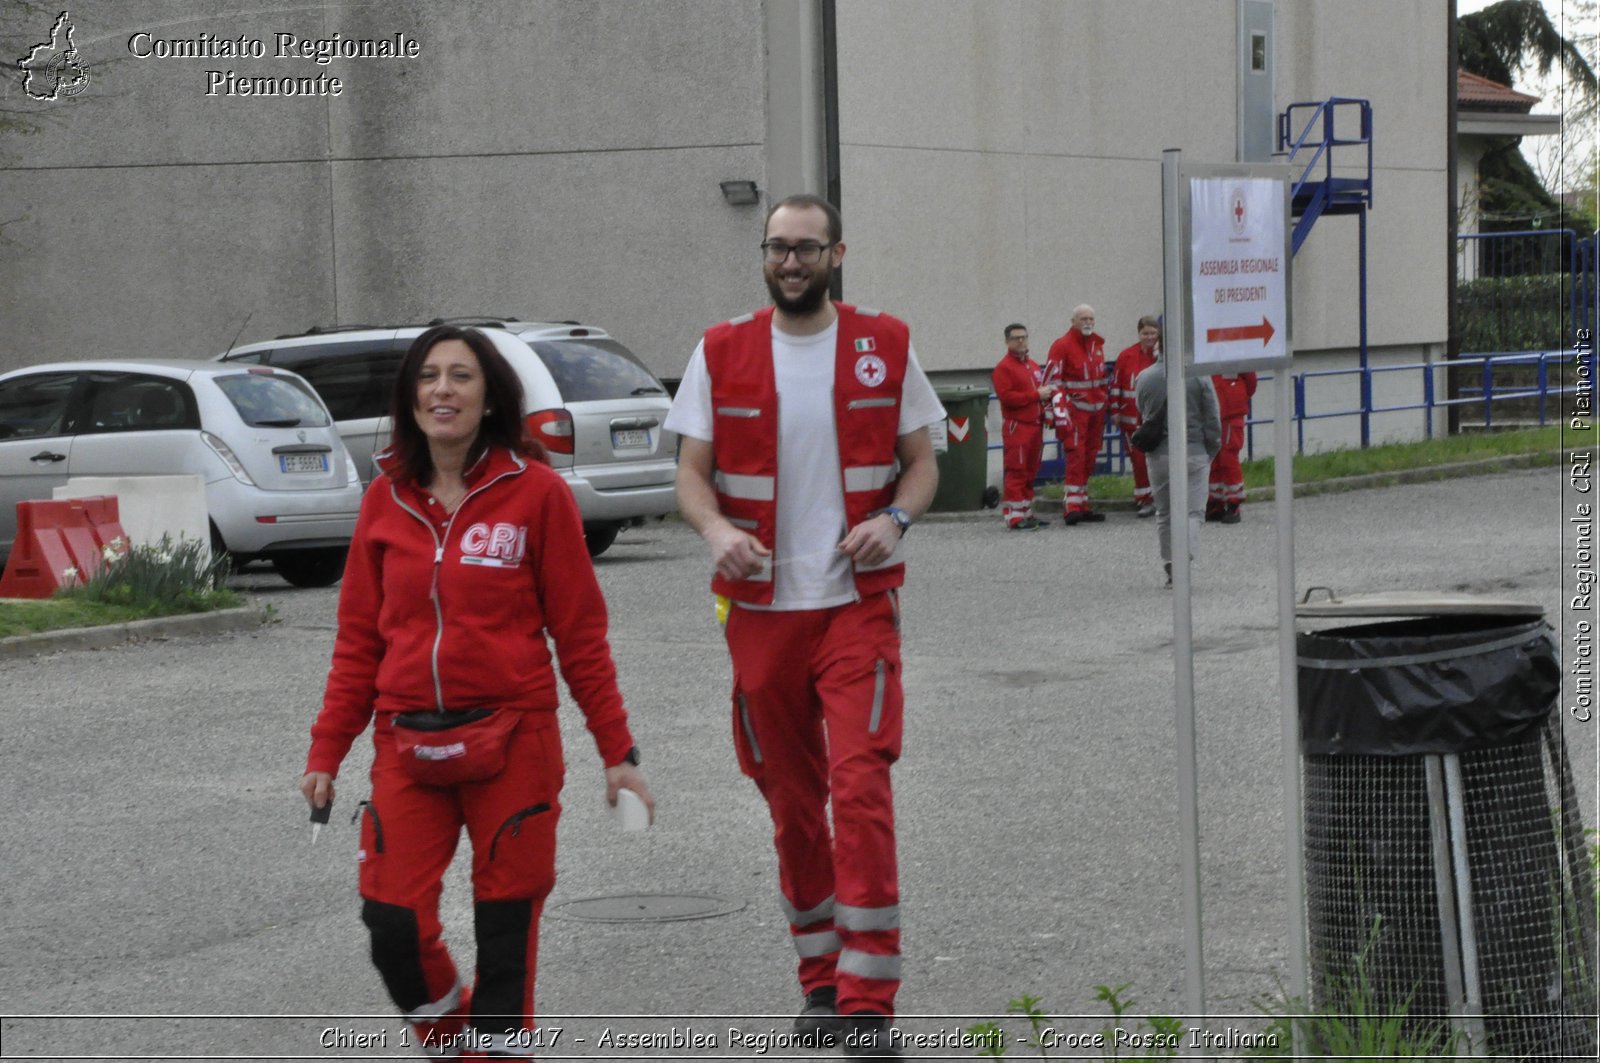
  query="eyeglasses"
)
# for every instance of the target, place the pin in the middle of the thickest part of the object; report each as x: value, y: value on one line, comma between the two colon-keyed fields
x: 808, y: 253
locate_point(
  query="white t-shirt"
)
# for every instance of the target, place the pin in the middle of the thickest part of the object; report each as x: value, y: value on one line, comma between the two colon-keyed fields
x: 808, y: 570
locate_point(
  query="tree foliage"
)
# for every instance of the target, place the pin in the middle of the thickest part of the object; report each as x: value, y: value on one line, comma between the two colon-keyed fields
x: 1503, y: 38
x: 1499, y: 42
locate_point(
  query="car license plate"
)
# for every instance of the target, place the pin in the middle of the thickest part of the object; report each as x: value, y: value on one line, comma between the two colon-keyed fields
x: 626, y: 438
x: 303, y: 462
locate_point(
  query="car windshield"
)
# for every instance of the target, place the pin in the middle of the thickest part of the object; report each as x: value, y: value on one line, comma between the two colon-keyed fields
x: 270, y: 400
x: 586, y: 370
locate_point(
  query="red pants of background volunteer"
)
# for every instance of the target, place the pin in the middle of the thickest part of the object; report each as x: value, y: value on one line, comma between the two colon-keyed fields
x: 409, y: 835
x: 1142, y: 495
x: 1088, y: 430
x: 1227, y: 474
x: 793, y: 673
x: 1023, y: 443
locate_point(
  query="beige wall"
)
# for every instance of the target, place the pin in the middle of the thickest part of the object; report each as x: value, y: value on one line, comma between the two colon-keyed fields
x: 1000, y: 160
x: 557, y: 158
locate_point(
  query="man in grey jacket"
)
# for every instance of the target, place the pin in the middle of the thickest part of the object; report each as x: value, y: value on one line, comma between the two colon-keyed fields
x: 1204, y: 438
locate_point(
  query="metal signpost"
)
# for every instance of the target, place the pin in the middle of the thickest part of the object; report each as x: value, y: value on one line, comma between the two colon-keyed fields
x: 1227, y: 273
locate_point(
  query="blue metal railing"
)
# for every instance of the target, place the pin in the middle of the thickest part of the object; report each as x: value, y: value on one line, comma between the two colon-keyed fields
x: 1483, y: 396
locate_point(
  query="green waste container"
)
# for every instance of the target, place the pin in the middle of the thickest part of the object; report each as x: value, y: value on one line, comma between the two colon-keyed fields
x: 961, y: 444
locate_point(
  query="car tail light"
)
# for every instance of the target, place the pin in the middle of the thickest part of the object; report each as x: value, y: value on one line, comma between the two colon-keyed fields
x: 553, y: 428
x: 228, y: 458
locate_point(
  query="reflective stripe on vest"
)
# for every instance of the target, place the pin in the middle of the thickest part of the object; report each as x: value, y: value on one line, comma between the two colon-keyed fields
x: 755, y: 488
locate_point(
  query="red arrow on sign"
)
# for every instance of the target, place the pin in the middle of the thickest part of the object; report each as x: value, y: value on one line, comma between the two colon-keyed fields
x: 959, y: 427
x: 1263, y: 332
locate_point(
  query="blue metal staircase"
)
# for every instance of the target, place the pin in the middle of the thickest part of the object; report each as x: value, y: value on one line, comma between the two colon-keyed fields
x: 1316, y: 136
x: 1310, y: 135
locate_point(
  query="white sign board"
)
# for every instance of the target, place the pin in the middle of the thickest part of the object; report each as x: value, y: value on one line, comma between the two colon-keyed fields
x: 1239, y: 269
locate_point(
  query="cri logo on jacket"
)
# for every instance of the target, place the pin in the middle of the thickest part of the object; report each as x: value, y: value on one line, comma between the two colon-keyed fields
x: 497, y: 545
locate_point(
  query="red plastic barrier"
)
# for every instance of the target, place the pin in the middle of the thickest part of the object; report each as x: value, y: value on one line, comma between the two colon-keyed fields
x: 60, y: 542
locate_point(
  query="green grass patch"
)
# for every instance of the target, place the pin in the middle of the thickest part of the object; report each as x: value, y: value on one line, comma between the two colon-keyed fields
x: 137, y: 584
x: 1388, y: 458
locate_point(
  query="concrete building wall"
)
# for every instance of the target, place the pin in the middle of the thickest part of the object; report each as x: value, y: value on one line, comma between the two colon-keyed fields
x: 549, y: 159
x: 1002, y: 160
x: 999, y: 161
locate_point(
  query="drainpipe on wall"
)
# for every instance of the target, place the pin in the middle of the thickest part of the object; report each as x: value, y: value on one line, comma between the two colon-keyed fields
x: 1452, y: 334
x: 830, y: 118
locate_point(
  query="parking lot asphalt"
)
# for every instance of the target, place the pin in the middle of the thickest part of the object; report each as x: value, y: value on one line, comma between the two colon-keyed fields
x: 158, y: 861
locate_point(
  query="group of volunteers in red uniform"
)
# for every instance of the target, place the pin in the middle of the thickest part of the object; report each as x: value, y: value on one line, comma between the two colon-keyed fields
x: 1074, y: 394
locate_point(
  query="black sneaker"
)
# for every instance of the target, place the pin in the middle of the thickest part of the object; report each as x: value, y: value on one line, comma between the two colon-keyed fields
x: 1168, y: 566
x: 1230, y: 515
x: 1073, y: 518
x: 819, y: 1021
x: 869, y: 1036
x: 1093, y: 516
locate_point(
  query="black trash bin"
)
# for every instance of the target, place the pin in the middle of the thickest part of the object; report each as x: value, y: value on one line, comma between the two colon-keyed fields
x: 1445, y: 866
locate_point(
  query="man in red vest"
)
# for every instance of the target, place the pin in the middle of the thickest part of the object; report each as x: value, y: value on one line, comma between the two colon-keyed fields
x: 1077, y: 363
x: 1125, y: 412
x: 805, y: 457
x: 1019, y: 385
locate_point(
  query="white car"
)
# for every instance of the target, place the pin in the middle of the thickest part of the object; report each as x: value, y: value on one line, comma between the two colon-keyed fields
x: 279, y: 483
x: 586, y: 397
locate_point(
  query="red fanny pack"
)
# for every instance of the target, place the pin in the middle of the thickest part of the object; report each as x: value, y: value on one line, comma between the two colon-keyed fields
x: 446, y: 748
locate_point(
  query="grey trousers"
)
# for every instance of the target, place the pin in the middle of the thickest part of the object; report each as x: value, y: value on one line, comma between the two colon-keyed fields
x: 1161, y: 486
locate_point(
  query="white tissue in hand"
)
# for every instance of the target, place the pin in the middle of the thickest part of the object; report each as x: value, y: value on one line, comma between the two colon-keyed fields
x: 630, y: 811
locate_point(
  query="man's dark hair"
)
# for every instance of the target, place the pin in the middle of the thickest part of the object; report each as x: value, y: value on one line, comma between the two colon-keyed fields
x: 1014, y: 325
x: 502, y: 423
x: 804, y: 200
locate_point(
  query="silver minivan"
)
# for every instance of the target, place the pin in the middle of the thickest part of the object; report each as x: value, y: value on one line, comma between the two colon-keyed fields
x: 279, y: 484
x: 587, y: 398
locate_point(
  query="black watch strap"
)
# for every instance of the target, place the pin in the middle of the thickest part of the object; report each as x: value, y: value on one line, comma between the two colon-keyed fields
x: 631, y: 756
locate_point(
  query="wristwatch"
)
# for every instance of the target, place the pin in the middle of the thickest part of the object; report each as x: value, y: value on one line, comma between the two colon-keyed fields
x: 631, y: 756
x: 902, y: 520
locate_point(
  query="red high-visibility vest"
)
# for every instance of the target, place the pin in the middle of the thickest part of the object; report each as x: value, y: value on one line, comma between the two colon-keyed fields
x: 870, y: 362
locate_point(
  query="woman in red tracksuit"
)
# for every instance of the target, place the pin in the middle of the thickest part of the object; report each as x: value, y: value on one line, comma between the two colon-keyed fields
x: 468, y: 550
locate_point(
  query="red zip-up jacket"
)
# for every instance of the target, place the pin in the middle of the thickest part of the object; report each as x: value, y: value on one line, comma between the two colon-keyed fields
x: 446, y: 613
x: 1016, y: 385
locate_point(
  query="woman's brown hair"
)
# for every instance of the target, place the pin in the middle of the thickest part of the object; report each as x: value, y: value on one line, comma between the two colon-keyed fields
x: 502, y: 423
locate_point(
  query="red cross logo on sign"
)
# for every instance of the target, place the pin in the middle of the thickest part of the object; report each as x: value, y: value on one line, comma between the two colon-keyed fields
x: 1237, y: 198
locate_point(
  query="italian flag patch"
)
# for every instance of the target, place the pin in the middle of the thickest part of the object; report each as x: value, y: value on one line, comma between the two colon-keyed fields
x: 866, y: 343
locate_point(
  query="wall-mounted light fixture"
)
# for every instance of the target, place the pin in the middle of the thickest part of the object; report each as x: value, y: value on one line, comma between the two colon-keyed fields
x: 741, y: 193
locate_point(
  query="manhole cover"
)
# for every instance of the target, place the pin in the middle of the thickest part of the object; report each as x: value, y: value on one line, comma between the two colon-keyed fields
x: 644, y: 908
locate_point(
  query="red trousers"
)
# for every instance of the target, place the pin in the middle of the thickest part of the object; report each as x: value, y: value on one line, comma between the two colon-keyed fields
x: 817, y: 717
x: 1088, y: 430
x: 1142, y: 494
x: 1227, y: 475
x: 1024, y: 442
x: 409, y: 833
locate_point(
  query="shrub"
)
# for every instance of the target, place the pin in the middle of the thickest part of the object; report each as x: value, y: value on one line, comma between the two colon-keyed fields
x: 159, y: 578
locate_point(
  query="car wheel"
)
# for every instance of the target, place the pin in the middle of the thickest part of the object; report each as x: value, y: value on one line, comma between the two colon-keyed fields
x: 599, y: 537
x: 220, y: 549
x: 311, y: 568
